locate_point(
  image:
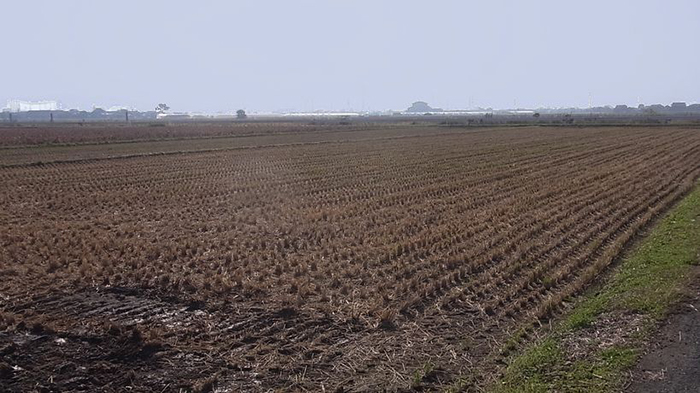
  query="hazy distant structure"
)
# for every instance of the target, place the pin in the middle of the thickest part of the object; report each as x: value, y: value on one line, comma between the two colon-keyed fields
x: 678, y: 106
x: 622, y: 109
x: 422, y: 106
x: 28, y: 106
x: 117, y: 108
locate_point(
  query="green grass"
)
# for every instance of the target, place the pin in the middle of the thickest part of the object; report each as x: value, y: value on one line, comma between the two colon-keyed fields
x: 648, y: 282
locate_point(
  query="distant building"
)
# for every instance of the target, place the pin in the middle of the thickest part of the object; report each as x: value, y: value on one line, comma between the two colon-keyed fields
x: 173, y: 116
x: 678, y: 106
x: 117, y: 108
x: 421, y: 107
x: 622, y: 109
x: 27, y: 106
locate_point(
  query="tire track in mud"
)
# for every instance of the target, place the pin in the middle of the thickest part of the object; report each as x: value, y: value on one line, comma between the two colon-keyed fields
x: 188, y: 333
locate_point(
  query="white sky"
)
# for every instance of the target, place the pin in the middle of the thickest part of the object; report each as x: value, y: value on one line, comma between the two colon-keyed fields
x: 342, y: 54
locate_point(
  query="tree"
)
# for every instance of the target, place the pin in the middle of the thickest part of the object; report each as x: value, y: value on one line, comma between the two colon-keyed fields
x: 240, y: 114
x: 162, y: 108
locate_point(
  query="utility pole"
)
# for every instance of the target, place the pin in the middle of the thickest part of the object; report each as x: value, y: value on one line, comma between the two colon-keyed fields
x: 10, y: 117
x: 127, y: 115
x: 51, y: 114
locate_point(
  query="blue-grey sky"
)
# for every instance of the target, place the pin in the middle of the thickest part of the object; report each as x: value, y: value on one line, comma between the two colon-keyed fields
x: 349, y: 54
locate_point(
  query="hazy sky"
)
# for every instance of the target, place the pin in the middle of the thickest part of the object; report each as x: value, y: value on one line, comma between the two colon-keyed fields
x: 342, y: 54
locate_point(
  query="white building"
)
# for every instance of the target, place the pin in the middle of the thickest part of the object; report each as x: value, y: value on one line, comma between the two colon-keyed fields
x: 27, y: 106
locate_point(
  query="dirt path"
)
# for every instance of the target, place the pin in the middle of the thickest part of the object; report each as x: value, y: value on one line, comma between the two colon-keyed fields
x: 672, y: 363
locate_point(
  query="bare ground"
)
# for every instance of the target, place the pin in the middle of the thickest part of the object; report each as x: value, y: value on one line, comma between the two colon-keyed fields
x: 672, y: 361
